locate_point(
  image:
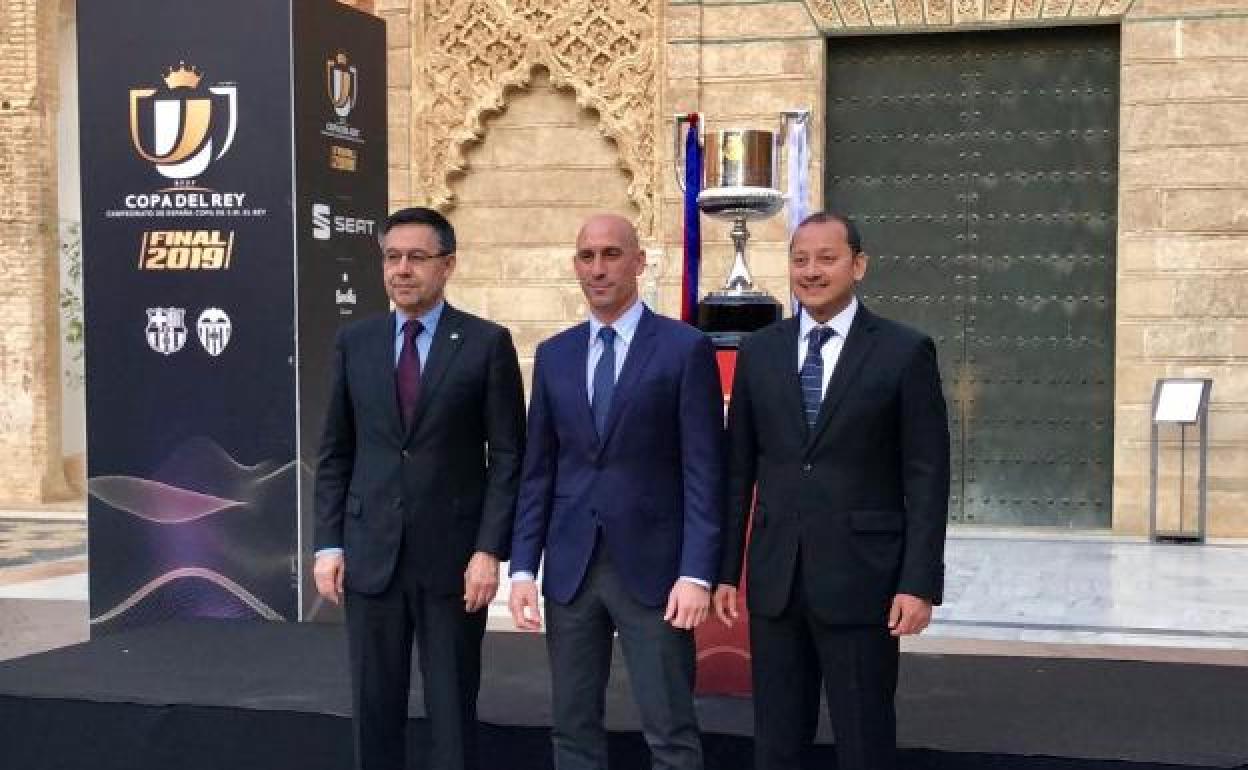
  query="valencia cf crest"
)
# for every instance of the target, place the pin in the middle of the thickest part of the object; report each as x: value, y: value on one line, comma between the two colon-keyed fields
x: 214, y: 330
x: 342, y: 81
x: 181, y: 128
x: 166, y: 331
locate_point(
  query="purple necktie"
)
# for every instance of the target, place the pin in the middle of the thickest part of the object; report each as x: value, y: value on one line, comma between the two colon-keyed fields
x: 407, y: 373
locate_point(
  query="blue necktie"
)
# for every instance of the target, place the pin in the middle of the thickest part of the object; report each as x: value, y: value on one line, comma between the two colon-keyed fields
x: 604, y: 380
x: 812, y: 374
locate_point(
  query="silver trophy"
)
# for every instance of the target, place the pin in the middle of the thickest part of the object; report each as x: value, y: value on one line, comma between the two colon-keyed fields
x: 740, y: 183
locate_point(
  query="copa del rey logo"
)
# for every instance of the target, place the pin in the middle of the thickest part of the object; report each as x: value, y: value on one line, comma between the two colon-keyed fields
x: 167, y: 333
x: 181, y: 128
x: 342, y: 86
x: 342, y: 82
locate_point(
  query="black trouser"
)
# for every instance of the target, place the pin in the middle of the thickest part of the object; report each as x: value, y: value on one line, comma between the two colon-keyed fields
x: 380, y: 632
x: 660, y: 661
x: 791, y: 653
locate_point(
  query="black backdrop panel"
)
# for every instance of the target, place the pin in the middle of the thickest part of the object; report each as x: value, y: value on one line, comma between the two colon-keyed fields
x: 341, y: 190
x: 189, y: 285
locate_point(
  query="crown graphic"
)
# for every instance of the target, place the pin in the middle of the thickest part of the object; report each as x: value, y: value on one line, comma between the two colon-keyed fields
x: 183, y: 76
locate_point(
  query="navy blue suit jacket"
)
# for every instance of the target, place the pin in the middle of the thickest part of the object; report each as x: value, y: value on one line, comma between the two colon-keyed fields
x: 653, y: 485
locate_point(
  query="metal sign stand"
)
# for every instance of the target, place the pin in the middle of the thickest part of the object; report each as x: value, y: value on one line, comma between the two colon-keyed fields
x: 1182, y: 402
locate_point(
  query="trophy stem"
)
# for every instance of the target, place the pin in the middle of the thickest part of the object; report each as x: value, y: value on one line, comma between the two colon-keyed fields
x: 739, y: 279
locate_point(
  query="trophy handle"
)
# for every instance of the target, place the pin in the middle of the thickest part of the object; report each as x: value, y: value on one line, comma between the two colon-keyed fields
x: 801, y: 116
x: 682, y: 119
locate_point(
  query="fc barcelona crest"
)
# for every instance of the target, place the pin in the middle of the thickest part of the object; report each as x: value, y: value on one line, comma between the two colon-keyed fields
x: 182, y: 128
x: 166, y: 330
x: 342, y: 81
x: 214, y: 330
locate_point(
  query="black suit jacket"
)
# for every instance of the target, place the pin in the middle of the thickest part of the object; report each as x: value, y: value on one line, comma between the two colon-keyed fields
x: 452, y: 477
x: 863, y: 497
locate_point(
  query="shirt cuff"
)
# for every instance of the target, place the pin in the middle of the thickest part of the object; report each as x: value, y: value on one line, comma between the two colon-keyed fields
x: 328, y: 551
x: 696, y: 581
x: 520, y: 576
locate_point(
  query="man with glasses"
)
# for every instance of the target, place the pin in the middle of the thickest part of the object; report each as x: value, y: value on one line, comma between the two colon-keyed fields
x: 415, y: 492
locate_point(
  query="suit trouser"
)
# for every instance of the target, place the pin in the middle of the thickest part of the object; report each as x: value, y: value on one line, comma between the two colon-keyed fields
x: 380, y: 632
x: 858, y: 666
x: 660, y: 662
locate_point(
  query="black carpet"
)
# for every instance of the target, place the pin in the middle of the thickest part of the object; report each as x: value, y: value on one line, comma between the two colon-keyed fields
x: 210, y: 695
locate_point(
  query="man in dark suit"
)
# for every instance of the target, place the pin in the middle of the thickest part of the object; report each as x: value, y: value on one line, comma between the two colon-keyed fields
x: 837, y: 415
x: 621, y: 490
x: 415, y: 492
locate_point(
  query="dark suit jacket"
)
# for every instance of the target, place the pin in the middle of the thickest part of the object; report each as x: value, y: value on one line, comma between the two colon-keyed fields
x: 453, y: 475
x: 653, y: 484
x: 863, y: 497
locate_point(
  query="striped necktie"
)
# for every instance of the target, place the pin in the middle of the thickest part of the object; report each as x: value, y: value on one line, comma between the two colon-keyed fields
x: 812, y: 374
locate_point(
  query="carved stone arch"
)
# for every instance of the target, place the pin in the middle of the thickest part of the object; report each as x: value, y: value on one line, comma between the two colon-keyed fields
x: 605, y: 51
x: 842, y: 16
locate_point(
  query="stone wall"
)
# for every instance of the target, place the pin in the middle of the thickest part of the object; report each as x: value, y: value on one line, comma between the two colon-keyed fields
x: 542, y: 167
x: 1183, y: 242
x: 518, y: 118
x: 30, y: 383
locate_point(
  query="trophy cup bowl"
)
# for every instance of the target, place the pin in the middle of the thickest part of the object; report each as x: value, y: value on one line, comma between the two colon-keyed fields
x: 739, y: 184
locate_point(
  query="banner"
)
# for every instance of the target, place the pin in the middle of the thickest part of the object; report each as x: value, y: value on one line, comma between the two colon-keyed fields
x: 190, y: 320
x: 340, y: 205
x: 693, y: 223
x: 798, y: 193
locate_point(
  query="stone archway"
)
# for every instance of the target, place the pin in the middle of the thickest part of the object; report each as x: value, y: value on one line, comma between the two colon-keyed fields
x: 467, y: 53
x: 541, y: 166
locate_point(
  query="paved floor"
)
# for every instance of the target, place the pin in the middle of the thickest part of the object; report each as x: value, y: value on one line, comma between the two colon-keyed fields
x: 1053, y: 595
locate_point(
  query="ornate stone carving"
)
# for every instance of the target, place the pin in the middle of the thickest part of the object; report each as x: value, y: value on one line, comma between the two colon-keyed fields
x: 999, y: 10
x: 968, y: 11
x: 838, y: 14
x: 939, y: 12
x: 909, y: 12
x: 882, y: 12
x: 606, y: 51
x: 854, y: 13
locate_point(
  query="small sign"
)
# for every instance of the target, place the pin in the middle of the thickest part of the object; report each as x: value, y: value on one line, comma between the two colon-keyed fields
x: 1179, y: 401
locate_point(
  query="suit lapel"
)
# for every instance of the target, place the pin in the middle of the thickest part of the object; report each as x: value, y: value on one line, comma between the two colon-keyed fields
x: 858, y: 344
x: 639, y: 354
x: 383, y: 354
x: 447, y: 341
x: 788, y: 377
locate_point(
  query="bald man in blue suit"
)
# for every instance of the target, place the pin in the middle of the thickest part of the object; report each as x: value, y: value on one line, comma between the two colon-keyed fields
x: 621, y: 492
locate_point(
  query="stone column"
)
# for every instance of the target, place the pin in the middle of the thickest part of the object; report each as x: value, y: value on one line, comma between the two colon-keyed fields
x: 30, y: 371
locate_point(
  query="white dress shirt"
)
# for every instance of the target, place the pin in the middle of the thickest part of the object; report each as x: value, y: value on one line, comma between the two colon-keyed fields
x: 831, y: 350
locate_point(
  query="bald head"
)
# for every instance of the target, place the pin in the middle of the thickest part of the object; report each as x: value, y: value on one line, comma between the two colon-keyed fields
x: 613, y: 226
x: 608, y: 261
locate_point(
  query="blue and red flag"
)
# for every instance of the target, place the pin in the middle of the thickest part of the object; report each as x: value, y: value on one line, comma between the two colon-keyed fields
x: 693, y: 224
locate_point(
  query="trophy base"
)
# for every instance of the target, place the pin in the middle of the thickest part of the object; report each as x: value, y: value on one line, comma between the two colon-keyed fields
x: 728, y: 316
